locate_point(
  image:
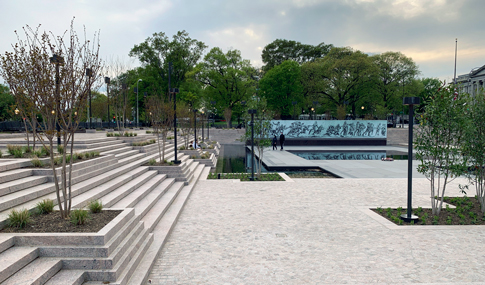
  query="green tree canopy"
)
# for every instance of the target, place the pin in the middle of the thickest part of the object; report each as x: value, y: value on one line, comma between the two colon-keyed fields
x: 337, y: 76
x: 157, y: 51
x: 280, y: 50
x: 6, y: 102
x: 227, y: 79
x: 281, y: 86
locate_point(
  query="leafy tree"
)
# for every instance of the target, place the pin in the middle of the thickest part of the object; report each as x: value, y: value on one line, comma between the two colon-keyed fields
x: 162, y: 120
x: 280, y: 50
x: 337, y: 76
x: 281, y: 86
x: 429, y: 87
x: 473, y: 144
x: 99, y: 104
x: 57, y: 92
x: 442, y: 129
x: 227, y: 78
x: 157, y: 51
x: 394, y: 69
x: 262, y: 129
x: 6, y: 103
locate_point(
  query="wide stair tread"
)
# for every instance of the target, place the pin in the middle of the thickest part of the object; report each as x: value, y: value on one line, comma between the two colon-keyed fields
x: 14, y: 174
x: 36, y: 272
x: 142, y: 181
x: 116, y: 150
x: 67, y: 277
x: 21, y: 183
x: 81, y: 200
x: 130, y: 200
x: 14, y: 259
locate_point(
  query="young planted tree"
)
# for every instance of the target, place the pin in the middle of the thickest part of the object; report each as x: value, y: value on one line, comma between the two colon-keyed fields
x: 184, y: 118
x: 262, y: 129
x: 473, y: 145
x: 54, y: 87
x: 162, y: 121
x: 437, y: 142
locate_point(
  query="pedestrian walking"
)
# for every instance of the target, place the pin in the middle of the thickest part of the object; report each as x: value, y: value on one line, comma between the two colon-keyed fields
x: 282, y: 140
x: 274, y: 142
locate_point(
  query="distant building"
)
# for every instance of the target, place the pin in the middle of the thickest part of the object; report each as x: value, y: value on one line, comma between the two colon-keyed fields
x: 472, y: 82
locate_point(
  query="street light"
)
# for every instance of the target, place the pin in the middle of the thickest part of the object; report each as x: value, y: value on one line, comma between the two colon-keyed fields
x: 294, y: 105
x: 89, y: 74
x: 313, y: 113
x: 202, y: 119
x: 252, y: 112
x: 174, y: 91
x: 410, y: 101
x: 57, y: 60
x: 195, y: 127
x: 137, y: 117
x: 107, y: 80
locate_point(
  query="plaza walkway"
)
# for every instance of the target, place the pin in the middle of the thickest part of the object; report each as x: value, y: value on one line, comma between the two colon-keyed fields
x: 317, y: 231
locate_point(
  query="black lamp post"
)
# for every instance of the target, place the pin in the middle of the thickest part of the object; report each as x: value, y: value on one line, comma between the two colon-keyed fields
x: 195, y: 126
x: 89, y: 74
x: 107, y: 81
x: 137, y: 116
x: 213, y: 103
x: 173, y: 91
x: 202, y: 122
x: 252, y: 112
x: 410, y: 101
x: 57, y: 60
x: 294, y: 105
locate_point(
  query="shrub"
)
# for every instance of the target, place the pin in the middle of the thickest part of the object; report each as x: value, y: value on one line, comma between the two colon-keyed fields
x: 11, y: 148
x: 60, y: 149
x: 79, y: 216
x: 135, y: 134
x: 1, y: 154
x: 79, y: 155
x: 109, y: 134
x: 18, y: 219
x: 152, y: 161
x: 95, y: 206
x: 117, y: 135
x: 18, y: 153
x: 152, y: 141
x: 45, y: 206
x: 57, y: 160
x: 45, y: 150
x: 36, y: 162
x: 37, y: 152
x: 148, y: 132
x: 27, y: 149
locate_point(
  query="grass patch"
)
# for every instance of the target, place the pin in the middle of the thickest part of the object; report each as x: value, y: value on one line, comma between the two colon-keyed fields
x: 18, y: 219
x: 45, y: 206
x: 79, y: 216
x: 95, y: 206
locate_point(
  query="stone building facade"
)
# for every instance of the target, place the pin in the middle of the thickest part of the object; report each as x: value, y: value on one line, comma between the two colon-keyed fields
x: 473, y: 82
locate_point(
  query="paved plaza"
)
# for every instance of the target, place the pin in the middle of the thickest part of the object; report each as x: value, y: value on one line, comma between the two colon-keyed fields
x: 316, y: 231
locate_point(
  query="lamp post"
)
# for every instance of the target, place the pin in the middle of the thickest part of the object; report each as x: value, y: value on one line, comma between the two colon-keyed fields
x: 213, y: 103
x: 195, y: 126
x: 410, y: 101
x: 174, y: 91
x: 57, y: 60
x: 89, y: 74
x: 294, y: 105
x: 252, y: 112
x: 137, y: 117
x: 313, y: 113
x: 202, y: 120
x: 145, y: 104
x: 107, y: 80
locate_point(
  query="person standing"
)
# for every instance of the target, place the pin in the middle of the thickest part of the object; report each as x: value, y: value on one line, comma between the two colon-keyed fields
x: 275, y: 140
x: 282, y: 140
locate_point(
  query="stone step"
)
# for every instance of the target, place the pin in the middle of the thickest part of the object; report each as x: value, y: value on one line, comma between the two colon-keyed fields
x: 82, y: 199
x: 153, y: 180
x: 117, y: 150
x: 130, y: 260
x: 11, y: 164
x: 104, y: 149
x: 67, y: 277
x: 126, y: 153
x: 98, y: 144
x: 14, y: 174
x: 114, y: 195
x: 78, y: 168
x: 141, y: 193
x: 14, y: 259
x: 110, y: 262
x: 37, y: 272
x: 21, y: 183
x: 161, y: 233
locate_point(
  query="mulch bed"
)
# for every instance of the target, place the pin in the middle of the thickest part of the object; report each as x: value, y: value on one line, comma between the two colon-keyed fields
x: 467, y: 212
x: 53, y: 223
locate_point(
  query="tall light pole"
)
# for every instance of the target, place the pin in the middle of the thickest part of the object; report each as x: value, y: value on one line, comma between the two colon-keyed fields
x: 174, y: 91
x: 107, y: 81
x: 294, y: 105
x: 195, y: 126
x: 202, y: 120
x: 252, y: 112
x: 89, y: 74
x: 410, y: 101
x: 57, y: 60
x: 137, y: 117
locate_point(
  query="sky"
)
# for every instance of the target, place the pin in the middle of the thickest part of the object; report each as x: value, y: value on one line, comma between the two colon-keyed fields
x: 424, y: 30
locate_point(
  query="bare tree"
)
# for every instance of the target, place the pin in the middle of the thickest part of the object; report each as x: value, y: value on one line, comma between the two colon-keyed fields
x: 116, y: 69
x: 55, y: 87
x: 161, y: 116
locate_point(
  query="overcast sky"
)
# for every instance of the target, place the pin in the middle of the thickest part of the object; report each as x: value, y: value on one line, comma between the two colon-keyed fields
x: 424, y: 30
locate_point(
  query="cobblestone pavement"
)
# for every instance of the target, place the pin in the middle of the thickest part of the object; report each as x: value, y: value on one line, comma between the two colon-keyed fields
x: 314, y: 231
